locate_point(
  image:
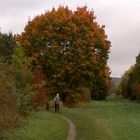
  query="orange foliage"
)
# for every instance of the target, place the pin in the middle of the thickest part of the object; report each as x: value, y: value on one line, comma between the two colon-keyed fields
x: 39, y: 87
x: 136, y: 90
x: 74, y: 47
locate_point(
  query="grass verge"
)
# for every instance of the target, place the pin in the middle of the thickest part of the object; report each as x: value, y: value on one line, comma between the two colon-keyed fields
x: 41, y: 126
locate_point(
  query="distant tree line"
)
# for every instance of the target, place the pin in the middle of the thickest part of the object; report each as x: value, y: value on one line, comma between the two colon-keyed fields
x: 115, y: 81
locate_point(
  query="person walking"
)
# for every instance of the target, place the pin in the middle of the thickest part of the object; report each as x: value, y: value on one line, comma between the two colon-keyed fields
x: 56, y: 102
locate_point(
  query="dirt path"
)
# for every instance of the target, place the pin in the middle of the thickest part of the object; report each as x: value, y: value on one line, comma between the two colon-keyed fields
x: 72, y: 130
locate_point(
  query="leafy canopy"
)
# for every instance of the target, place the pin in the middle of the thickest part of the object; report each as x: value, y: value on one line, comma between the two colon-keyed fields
x: 72, y: 50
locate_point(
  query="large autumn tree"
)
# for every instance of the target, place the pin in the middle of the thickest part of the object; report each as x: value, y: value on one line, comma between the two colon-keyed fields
x: 72, y: 50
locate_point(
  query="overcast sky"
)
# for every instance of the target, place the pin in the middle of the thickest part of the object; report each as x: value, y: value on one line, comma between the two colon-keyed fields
x: 121, y: 18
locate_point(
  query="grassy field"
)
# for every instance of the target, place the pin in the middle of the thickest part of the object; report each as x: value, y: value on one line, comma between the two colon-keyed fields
x: 113, y: 119
x: 41, y: 126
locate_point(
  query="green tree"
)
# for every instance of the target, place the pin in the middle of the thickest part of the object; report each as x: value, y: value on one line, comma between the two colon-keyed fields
x: 23, y: 81
x: 130, y: 83
x: 7, y: 43
x: 124, y: 86
x: 134, y: 80
x: 72, y: 50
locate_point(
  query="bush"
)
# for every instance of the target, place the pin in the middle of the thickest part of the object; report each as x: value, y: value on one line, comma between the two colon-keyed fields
x: 9, y: 116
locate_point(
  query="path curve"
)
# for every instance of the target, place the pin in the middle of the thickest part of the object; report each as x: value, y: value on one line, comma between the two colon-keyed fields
x: 72, y: 129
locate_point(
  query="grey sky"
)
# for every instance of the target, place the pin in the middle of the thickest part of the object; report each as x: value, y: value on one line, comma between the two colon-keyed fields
x: 121, y: 18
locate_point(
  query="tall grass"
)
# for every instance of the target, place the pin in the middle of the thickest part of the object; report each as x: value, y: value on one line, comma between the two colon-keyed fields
x: 9, y: 116
x: 41, y: 126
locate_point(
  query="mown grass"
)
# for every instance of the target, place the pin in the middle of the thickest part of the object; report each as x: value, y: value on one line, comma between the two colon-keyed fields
x: 41, y: 126
x: 113, y: 119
